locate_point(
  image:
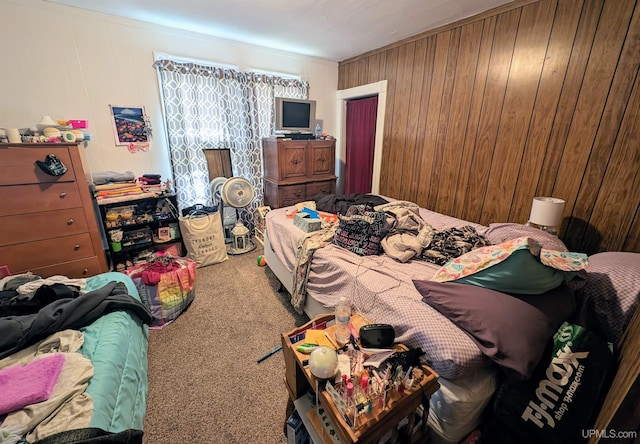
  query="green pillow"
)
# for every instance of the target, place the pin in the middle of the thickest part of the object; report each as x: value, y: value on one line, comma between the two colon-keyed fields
x: 518, y: 266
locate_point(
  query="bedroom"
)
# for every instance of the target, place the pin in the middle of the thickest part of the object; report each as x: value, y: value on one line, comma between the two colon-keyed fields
x: 71, y: 56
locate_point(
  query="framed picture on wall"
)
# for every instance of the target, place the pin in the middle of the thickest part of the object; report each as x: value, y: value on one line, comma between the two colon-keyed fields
x: 129, y: 124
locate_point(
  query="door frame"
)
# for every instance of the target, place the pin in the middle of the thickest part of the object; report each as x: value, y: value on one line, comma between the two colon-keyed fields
x: 342, y: 96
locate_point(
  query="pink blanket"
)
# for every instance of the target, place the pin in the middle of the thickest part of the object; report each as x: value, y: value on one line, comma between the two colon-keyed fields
x: 23, y: 385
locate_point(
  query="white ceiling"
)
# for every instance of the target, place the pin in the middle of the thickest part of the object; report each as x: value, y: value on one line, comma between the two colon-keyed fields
x: 331, y: 29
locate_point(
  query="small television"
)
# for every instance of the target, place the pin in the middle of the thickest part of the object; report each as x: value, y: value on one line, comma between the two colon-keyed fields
x: 295, y: 115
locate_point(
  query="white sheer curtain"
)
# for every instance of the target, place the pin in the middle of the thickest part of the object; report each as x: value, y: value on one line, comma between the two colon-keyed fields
x: 209, y: 107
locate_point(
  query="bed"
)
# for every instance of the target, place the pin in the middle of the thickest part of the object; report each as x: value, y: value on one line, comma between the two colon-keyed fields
x: 383, y: 289
x: 93, y: 366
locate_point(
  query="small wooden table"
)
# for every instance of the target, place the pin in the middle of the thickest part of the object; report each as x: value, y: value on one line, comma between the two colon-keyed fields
x: 299, y: 380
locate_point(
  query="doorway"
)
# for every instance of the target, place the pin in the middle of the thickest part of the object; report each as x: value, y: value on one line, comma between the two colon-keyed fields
x: 360, y: 140
x: 372, y: 89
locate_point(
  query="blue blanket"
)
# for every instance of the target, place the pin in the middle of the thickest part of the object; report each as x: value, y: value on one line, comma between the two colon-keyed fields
x: 117, y: 345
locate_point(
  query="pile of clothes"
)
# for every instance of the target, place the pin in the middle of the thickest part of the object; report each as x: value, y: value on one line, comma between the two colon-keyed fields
x: 44, y: 372
x: 32, y: 308
x: 369, y: 224
x: 150, y: 182
x: 110, y: 185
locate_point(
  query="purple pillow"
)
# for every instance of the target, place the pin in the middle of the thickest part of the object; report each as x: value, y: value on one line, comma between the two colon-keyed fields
x: 511, y: 330
x: 500, y: 232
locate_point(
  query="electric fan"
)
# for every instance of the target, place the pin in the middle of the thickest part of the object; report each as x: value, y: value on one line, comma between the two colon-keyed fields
x: 237, y: 192
x: 227, y: 214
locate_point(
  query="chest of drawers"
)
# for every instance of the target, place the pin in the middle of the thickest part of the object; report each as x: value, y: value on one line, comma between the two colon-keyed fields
x: 297, y: 170
x: 47, y: 223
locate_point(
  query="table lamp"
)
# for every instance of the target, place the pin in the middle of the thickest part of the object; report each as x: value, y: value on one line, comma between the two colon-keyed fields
x: 546, y: 214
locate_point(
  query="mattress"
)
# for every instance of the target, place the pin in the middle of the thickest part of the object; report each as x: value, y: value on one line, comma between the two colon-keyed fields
x: 381, y: 288
x: 117, y: 344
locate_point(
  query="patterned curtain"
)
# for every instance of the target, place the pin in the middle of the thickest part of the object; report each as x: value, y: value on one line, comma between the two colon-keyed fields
x: 208, y: 107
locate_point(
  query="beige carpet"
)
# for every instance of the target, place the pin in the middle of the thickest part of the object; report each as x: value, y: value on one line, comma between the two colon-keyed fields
x: 204, y: 383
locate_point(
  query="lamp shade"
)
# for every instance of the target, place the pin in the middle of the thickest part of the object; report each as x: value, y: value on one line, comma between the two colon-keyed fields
x: 546, y: 211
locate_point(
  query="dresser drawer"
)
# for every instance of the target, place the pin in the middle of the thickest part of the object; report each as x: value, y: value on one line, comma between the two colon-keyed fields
x: 20, y: 199
x: 38, y: 226
x: 292, y: 192
x: 18, y: 165
x: 31, y: 255
x: 83, y: 268
x: 324, y: 187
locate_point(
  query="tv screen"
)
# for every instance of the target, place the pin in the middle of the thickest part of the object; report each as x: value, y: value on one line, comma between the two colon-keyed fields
x: 295, y: 114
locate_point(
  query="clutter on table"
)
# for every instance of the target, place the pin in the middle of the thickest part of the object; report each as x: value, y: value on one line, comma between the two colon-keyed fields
x: 363, y: 383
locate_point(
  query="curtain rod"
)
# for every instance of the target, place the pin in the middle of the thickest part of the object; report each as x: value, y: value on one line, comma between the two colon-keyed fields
x: 161, y: 55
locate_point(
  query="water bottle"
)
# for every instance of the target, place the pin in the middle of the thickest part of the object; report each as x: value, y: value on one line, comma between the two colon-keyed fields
x: 318, y: 131
x: 343, y: 318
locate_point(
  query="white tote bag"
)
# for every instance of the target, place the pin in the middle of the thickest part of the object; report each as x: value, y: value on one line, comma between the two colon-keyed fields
x: 203, y: 237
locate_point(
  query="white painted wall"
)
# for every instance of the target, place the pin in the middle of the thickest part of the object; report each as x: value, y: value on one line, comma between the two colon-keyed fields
x: 72, y: 64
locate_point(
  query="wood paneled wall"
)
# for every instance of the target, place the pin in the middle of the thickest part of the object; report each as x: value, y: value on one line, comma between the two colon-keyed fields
x: 531, y: 99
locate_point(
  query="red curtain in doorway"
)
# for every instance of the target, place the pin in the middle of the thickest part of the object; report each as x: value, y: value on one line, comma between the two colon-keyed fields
x: 361, y: 134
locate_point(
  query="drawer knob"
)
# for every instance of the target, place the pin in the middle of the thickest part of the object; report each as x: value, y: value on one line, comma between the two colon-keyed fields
x: 70, y: 222
x: 76, y: 247
x: 63, y: 195
x: 297, y: 194
x: 85, y: 271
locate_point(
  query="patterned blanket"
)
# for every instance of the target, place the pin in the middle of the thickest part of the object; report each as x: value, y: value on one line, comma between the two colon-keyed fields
x: 304, y: 253
x: 452, y: 243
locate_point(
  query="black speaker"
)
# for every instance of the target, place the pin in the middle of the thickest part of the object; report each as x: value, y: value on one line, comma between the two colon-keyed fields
x: 377, y: 336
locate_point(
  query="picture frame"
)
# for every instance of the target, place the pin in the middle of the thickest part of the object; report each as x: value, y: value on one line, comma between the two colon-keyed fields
x: 129, y: 124
x: 164, y: 233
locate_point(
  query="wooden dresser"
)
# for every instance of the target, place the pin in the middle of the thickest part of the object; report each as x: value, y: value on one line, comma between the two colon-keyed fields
x: 297, y: 170
x: 47, y: 223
